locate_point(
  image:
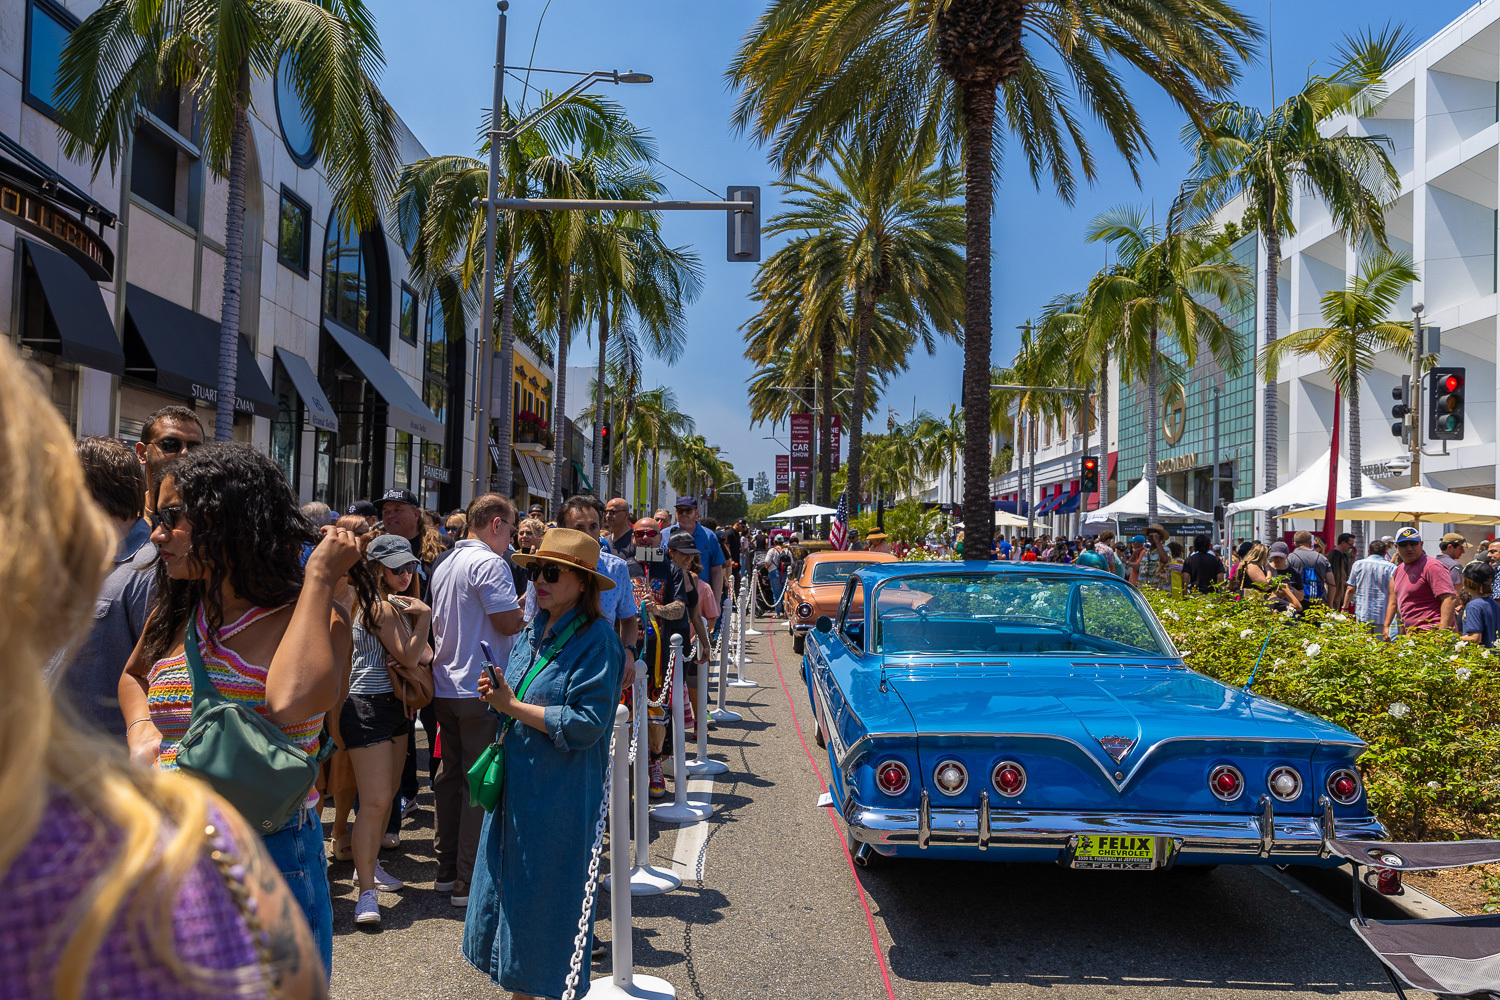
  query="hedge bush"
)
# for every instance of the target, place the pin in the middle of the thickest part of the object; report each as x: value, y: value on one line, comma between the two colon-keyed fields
x: 1428, y: 704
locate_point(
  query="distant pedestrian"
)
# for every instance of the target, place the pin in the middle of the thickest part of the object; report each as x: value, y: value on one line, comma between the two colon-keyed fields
x: 1482, y: 612
x: 167, y: 433
x: 1451, y: 554
x: 1341, y: 560
x: 366, y: 510
x: 318, y: 513
x: 90, y: 681
x: 1369, y: 588
x: 1421, y: 588
x: 1311, y: 571
x: 1203, y: 569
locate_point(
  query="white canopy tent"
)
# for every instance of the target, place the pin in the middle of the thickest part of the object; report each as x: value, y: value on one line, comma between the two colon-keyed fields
x: 1415, y: 503
x: 1136, y: 503
x: 1309, y: 488
x: 1005, y: 520
x: 805, y: 510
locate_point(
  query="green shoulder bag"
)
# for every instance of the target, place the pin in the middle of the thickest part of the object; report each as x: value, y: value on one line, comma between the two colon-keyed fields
x: 487, y: 776
x: 242, y: 755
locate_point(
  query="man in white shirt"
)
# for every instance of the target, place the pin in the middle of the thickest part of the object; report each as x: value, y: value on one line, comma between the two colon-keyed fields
x: 473, y: 599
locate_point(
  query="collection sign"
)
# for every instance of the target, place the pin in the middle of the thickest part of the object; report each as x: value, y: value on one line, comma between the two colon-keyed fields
x: 802, y: 429
x: 783, y: 477
x: 33, y: 212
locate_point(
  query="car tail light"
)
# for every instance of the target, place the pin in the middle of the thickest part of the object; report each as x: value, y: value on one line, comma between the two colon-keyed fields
x: 1009, y: 778
x: 951, y: 777
x: 1285, y: 783
x: 1226, y: 782
x: 892, y: 777
x: 1343, y: 785
x: 804, y: 610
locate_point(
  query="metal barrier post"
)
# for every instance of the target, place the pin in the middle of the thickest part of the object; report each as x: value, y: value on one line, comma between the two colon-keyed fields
x: 624, y: 982
x: 645, y: 878
x: 749, y: 607
x: 726, y: 639
x: 679, y: 810
x: 740, y: 658
x: 701, y: 765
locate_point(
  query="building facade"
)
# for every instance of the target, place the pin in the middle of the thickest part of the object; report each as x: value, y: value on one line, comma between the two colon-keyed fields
x: 348, y: 376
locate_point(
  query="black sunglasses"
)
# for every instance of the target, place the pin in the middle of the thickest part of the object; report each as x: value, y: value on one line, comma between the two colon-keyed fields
x: 1402, y: 545
x: 173, y: 445
x: 167, y: 517
x: 549, y: 572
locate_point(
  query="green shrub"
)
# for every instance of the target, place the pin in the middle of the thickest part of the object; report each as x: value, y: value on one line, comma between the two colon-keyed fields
x: 1427, y: 704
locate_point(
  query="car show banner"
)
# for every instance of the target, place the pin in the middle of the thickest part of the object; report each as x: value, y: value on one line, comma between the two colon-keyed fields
x: 783, y: 477
x: 802, y: 431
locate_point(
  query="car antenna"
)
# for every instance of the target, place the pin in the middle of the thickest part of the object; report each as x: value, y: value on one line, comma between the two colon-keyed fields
x: 1251, y: 679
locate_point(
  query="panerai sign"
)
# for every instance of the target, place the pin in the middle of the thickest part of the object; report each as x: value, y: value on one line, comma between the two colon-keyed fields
x: 1177, y: 463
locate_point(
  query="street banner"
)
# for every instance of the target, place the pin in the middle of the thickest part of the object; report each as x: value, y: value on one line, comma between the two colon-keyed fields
x: 782, y: 476
x: 802, y: 432
x: 833, y: 442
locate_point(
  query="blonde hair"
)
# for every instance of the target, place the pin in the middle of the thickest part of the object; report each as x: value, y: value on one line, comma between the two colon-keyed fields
x: 1259, y: 554
x: 52, y: 581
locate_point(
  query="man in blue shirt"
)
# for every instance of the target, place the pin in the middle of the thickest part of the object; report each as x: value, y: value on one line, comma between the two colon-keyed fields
x: 707, y: 543
x: 581, y: 513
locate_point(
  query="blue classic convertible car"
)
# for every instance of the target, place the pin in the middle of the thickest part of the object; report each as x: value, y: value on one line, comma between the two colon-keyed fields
x: 1040, y: 713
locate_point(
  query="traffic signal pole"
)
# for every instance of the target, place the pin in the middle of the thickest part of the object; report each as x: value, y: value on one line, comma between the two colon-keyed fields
x: 1415, y: 402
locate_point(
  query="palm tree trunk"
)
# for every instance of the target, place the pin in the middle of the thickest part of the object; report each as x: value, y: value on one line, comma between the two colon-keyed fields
x: 234, y: 262
x: 599, y: 489
x: 1356, y: 458
x: 1273, y: 270
x: 979, y: 178
x: 655, y: 474
x: 829, y: 347
x: 505, y: 483
x: 866, y: 324
x: 560, y: 389
x: 1153, y: 423
x: 1103, y: 430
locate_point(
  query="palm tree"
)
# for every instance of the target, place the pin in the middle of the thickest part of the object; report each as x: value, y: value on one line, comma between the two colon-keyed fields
x: 961, y: 74
x: 1170, y: 279
x: 655, y: 424
x: 127, y: 52
x: 871, y: 230
x: 438, y: 211
x: 1355, y: 331
x: 943, y: 445
x: 1265, y: 157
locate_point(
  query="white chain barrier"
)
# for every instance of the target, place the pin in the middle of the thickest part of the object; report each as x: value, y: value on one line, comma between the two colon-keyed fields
x: 645, y: 878
x: 623, y: 982
x: 740, y: 658
x: 580, y: 941
x: 679, y: 810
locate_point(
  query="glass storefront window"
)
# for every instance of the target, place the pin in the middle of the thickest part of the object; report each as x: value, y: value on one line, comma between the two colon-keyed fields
x: 293, y: 231
x: 323, y: 468
x: 402, y: 478
x: 286, y: 429
x: 344, y: 279
x: 435, y: 377
x: 291, y: 114
x: 408, y: 314
x: 47, y: 28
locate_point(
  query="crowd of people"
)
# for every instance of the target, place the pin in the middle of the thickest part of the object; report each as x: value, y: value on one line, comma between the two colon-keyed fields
x: 210, y: 669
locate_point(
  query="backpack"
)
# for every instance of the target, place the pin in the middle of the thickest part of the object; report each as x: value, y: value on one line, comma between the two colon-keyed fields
x: 1312, y: 581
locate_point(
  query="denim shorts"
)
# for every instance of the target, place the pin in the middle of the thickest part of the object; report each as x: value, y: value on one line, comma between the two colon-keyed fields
x: 298, y: 853
x: 368, y: 719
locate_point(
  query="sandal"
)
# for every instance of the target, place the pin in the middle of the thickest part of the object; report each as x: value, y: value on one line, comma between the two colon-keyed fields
x: 343, y: 850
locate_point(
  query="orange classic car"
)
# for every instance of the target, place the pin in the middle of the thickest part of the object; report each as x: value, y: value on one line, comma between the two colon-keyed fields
x: 820, y: 586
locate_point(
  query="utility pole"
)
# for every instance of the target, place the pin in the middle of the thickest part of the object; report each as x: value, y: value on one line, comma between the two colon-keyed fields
x: 487, y: 304
x: 1416, y: 394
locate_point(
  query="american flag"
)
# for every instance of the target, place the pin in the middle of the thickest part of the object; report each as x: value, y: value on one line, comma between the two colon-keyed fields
x: 838, y: 535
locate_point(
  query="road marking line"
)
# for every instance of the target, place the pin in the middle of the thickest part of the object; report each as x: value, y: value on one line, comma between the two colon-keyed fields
x: 687, y: 855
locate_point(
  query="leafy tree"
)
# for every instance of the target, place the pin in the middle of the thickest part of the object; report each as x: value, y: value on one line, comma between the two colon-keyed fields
x: 127, y: 53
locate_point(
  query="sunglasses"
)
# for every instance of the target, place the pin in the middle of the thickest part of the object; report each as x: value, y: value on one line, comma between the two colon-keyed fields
x: 406, y: 570
x: 548, y: 572
x: 167, y: 517
x: 173, y: 445
x: 646, y: 535
x: 1405, y: 545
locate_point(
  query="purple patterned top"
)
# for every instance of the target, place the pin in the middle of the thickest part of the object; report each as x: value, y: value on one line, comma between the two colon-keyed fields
x: 45, y: 881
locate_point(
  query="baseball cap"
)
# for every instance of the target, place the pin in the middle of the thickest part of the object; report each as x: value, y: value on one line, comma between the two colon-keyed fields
x: 1138, y: 538
x: 1452, y: 537
x: 397, y: 496
x: 390, y: 550
x: 683, y: 542
x: 1278, y: 548
x: 362, y: 508
x: 1408, y: 534
x: 686, y: 502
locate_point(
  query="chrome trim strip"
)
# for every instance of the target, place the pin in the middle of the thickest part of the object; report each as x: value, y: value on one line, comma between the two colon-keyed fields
x: 1327, y: 828
x: 984, y: 820
x: 924, y: 823
x: 1265, y: 823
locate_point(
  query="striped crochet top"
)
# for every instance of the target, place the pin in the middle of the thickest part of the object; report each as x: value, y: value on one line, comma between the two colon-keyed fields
x: 169, y: 695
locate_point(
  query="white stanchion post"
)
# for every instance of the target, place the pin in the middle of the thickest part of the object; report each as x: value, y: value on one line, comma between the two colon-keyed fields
x: 624, y: 982
x: 679, y: 810
x: 740, y: 658
x: 645, y: 878
x: 749, y: 606
x: 701, y: 765
x: 726, y: 639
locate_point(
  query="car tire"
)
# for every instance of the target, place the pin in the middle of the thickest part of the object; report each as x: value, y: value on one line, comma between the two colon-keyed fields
x: 798, y: 642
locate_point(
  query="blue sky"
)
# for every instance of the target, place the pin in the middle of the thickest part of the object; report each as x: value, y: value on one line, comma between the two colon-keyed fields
x: 440, y: 55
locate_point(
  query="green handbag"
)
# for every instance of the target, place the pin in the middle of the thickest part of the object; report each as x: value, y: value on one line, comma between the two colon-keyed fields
x: 487, y: 776
x: 242, y: 755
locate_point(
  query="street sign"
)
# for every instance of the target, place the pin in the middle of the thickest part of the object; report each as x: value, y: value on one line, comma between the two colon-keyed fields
x: 802, y: 431
x: 783, y: 476
x: 833, y: 442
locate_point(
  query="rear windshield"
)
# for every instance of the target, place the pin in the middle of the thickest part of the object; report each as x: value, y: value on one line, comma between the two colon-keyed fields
x: 1010, y: 613
x: 834, y: 572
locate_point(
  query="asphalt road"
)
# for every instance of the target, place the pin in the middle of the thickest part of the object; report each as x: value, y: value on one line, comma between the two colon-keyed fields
x: 770, y: 906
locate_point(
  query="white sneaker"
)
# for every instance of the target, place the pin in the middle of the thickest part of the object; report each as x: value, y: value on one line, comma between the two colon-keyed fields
x: 367, y: 910
x: 383, y: 879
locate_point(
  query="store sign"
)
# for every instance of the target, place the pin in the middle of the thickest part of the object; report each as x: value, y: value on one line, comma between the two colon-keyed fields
x: 210, y: 394
x: 783, y: 477
x: 32, y: 212
x: 802, y: 428
x: 1177, y: 463
x: 434, y: 473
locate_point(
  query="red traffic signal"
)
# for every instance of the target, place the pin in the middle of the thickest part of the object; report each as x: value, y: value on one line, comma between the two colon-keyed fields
x: 1452, y: 383
x: 1089, y: 481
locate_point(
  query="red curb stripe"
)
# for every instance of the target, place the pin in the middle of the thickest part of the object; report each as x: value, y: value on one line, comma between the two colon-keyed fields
x: 848, y: 859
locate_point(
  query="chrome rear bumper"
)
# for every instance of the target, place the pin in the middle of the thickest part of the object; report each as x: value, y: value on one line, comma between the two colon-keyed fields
x: 1258, y: 835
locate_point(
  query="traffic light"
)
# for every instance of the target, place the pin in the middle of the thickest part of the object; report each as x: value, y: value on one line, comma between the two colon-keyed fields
x: 749, y: 487
x: 604, y: 441
x: 1445, y: 405
x: 1402, y: 395
x: 742, y: 228
x: 1090, y: 482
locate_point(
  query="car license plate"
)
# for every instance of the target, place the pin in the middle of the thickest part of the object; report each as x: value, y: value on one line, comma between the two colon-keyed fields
x: 1126, y: 853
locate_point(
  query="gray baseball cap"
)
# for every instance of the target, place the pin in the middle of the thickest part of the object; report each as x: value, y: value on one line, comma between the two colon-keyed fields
x: 390, y: 550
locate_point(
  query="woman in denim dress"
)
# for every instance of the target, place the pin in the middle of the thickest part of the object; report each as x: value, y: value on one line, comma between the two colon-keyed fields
x: 534, y: 852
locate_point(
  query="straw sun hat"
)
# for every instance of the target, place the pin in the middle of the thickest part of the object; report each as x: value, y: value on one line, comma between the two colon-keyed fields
x: 569, y: 548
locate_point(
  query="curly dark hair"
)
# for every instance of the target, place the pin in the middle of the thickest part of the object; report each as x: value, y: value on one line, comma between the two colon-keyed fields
x: 247, y: 530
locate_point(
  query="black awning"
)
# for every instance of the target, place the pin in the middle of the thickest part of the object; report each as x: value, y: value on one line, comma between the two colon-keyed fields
x: 178, y: 349
x: 407, y: 411
x: 314, y: 401
x: 80, y: 328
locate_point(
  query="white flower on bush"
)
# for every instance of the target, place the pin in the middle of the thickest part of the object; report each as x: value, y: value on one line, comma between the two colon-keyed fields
x: 1248, y: 633
x: 1288, y: 613
x: 1278, y: 662
x: 1458, y: 647
x: 1399, y: 709
x: 1339, y: 616
x: 1169, y: 613
x: 1434, y: 785
x: 1314, y: 650
x: 1463, y: 673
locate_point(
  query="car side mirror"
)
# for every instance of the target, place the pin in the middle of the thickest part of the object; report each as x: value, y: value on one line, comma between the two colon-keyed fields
x: 824, y: 624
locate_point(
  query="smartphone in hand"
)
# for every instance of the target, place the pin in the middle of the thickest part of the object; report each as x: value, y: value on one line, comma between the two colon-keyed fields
x: 489, y: 663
